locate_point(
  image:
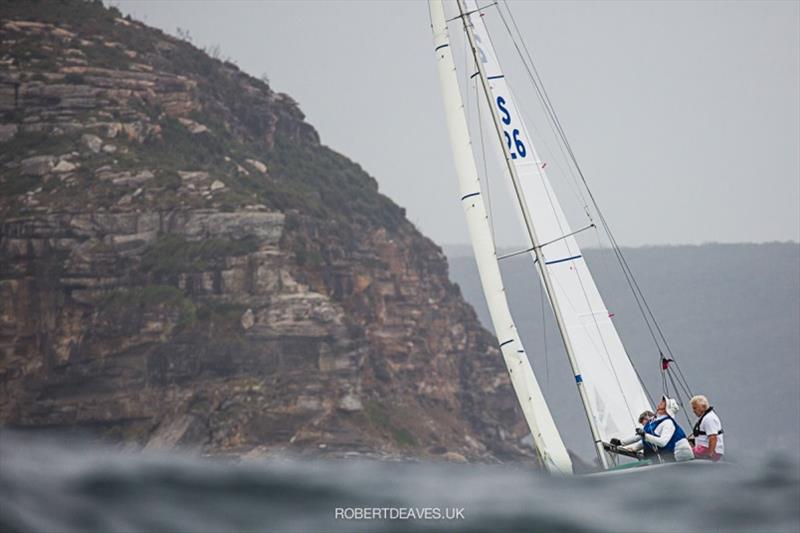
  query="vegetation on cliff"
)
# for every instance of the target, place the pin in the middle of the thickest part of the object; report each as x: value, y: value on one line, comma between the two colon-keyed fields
x: 182, y: 262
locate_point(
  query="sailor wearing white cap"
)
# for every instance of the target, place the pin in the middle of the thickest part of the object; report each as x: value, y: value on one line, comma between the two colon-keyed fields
x: 664, y: 435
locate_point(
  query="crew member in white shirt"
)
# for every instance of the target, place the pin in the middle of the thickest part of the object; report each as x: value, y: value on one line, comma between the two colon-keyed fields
x: 707, y: 433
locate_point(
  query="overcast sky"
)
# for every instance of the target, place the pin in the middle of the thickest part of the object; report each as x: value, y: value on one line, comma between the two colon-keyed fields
x: 685, y: 116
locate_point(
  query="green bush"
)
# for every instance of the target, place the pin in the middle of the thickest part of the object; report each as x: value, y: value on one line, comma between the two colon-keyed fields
x: 151, y: 296
x: 221, y: 318
x: 379, y: 417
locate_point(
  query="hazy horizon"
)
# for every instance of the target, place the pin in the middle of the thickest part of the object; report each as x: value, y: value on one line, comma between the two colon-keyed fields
x: 684, y: 116
x: 467, y: 247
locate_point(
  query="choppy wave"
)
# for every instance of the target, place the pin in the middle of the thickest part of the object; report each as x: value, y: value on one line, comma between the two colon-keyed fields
x: 76, y: 487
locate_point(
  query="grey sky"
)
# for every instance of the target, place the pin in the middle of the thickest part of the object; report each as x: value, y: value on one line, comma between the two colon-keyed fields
x: 684, y: 115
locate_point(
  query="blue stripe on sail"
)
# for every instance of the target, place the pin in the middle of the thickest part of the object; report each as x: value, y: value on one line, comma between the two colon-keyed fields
x: 441, y: 46
x: 495, y: 77
x: 578, y: 378
x: 504, y: 343
x: 554, y: 261
x: 470, y: 195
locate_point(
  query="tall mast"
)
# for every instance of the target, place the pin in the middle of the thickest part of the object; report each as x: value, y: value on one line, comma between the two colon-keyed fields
x: 549, y: 446
x: 540, y: 259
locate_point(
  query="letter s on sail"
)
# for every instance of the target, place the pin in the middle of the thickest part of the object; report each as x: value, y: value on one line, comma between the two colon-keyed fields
x: 501, y: 104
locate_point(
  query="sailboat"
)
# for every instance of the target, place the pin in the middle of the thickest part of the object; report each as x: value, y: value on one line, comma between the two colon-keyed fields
x: 610, y: 389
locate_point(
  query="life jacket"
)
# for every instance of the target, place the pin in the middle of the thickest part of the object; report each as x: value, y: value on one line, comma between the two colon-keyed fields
x: 696, y: 431
x: 651, y: 426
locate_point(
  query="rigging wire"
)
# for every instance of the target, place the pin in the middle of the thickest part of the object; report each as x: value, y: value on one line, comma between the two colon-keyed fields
x: 574, y: 186
x: 678, y: 398
x: 559, y: 131
x: 655, y: 329
x: 544, y: 101
x: 605, y: 350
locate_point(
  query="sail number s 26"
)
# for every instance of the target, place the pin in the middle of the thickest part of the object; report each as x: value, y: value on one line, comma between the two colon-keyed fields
x: 515, y: 145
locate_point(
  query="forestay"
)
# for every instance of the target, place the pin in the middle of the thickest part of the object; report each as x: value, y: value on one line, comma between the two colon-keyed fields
x: 613, y: 388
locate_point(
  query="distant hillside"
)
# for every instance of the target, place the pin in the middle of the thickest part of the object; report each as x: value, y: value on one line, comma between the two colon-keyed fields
x: 183, y: 263
x: 731, y: 313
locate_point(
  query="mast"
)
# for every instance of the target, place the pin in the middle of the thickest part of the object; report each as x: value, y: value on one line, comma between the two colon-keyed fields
x: 537, y: 249
x: 549, y: 446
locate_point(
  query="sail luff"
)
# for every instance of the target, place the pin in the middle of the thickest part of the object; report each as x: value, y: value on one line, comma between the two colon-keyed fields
x: 612, y: 393
x: 547, y: 439
x: 495, y: 107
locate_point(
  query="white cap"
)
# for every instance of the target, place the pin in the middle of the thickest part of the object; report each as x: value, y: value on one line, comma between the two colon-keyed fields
x: 672, y: 406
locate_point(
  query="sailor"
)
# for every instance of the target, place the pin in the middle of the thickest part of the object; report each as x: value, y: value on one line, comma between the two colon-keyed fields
x: 664, y: 434
x: 707, y: 431
x: 634, y: 443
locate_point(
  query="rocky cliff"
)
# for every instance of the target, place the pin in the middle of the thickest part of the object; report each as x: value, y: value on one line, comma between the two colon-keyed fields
x: 183, y: 263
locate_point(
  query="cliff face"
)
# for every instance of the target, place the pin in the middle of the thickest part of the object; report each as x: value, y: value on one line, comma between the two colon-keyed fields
x: 183, y: 263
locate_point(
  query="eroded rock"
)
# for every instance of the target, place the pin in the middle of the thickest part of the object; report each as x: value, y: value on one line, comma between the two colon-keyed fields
x: 38, y: 165
x: 248, y: 319
x: 64, y: 166
x: 137, y: 304
x: 92, y: 142
x: 192, y: 126
x: 258, y: 165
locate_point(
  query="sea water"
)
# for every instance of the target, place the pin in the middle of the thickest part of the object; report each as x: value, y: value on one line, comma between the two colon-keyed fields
x: 73, y: 486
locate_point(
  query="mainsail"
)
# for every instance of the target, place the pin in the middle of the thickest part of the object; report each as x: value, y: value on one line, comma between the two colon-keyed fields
x: 548, y: 442
x: 613, y: 389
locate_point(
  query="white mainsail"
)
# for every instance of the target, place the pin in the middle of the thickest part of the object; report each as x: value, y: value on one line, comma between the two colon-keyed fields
x: 613, y: 389
x: 548, y: 442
